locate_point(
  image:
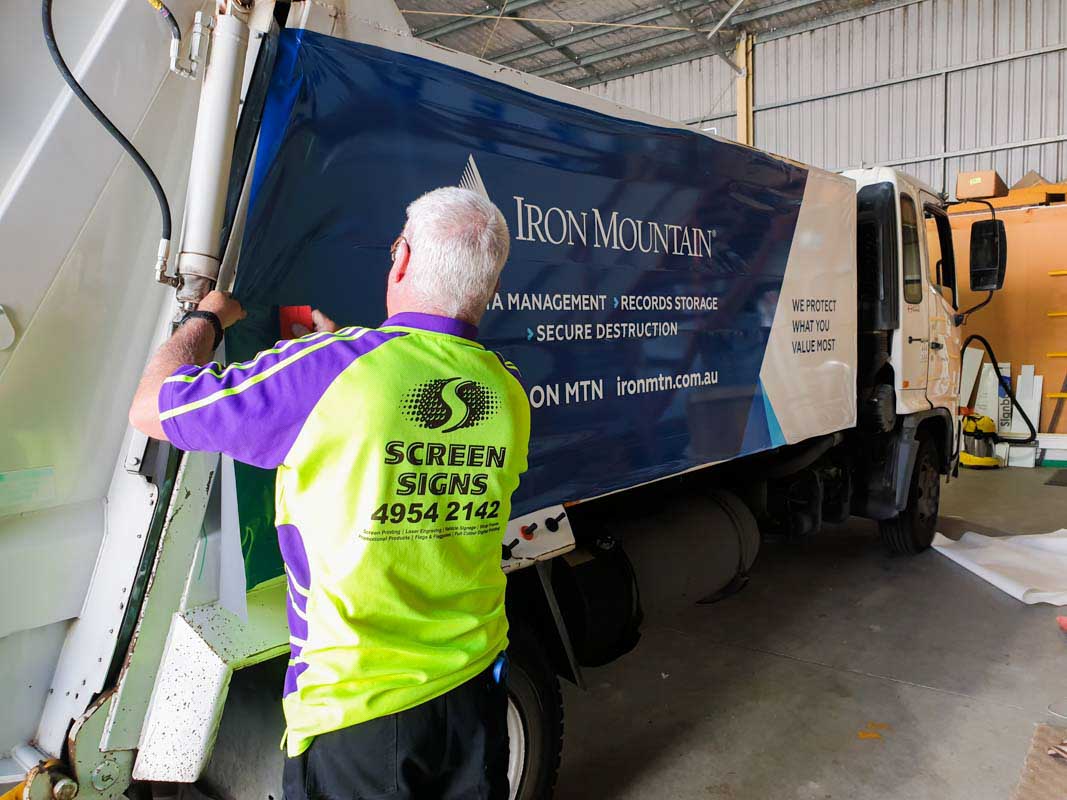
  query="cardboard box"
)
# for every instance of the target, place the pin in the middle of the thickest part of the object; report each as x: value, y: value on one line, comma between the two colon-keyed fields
x: 1031, y: 178
x: 983, y: 184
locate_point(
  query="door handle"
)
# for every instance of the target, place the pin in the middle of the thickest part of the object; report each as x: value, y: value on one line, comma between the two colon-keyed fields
x: 913, y: 339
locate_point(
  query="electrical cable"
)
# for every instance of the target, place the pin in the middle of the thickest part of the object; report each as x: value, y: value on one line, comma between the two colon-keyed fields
x: 963, y: 315
x: 101, y: 117
x: 1006, y: 384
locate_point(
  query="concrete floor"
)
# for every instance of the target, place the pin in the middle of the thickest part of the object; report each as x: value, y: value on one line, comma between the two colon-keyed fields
x: 839, y: 672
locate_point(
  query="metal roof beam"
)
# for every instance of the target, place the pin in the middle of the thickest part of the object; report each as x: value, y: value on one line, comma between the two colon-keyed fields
x: 728, y: 60
x: 725, y: 18
x: 533, y: 30
x: 617, y: 52
x: 825, y: 20
x: 668, y: 61
x: 718, y: 27
x: 592, y: 33
x: 774, y: 8
x: 488, y: 13
x: 637, y: 47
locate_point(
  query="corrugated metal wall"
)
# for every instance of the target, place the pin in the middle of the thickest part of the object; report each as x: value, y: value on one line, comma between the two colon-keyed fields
x: 933, y: 86
x: 702, y: 92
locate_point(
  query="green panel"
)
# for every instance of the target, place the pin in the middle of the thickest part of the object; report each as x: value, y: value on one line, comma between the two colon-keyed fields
x: 255, y: 486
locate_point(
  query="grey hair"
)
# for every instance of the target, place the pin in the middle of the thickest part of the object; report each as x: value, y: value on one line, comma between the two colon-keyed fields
x: 459, y: 242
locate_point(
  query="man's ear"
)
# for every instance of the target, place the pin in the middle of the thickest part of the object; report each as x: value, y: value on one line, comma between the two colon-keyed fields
x: 400, y: 262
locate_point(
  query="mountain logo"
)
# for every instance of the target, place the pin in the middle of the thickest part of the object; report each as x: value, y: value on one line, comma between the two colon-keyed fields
x: 449, y: 404
x: 472, y: 178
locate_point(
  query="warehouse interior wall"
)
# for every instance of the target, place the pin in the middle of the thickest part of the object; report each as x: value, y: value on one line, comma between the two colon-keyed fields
x: 932, y: 87
x: 1026, y: 320
x: 701, y: 93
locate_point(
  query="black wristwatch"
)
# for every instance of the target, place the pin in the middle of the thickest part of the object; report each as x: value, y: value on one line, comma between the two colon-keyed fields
x: 211, y: 317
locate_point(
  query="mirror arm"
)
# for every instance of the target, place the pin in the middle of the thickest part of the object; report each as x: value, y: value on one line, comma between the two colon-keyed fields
x: 992, y: 210
x: 961, y: 318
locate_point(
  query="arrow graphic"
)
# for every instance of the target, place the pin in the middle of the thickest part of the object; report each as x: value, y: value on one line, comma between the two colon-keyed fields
x: 615, y: 302
x: 529, y: 334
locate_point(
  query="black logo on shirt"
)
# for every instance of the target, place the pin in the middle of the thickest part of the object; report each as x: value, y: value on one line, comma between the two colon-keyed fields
x: 449, y: 404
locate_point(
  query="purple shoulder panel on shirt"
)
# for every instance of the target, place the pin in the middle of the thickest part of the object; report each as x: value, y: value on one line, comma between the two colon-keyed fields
x: 291, y: 674
x: 213, y: 377
x: 254, y: 411
x: 298, y: 586
x: 509, y: 366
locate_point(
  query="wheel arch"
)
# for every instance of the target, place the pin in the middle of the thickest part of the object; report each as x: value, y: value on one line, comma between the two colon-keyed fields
x: 937, y: 424
x: 532, y: 605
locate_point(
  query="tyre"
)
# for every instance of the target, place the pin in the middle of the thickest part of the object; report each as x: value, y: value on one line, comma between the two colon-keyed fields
x: 535, y: 720
x: 913, y: 529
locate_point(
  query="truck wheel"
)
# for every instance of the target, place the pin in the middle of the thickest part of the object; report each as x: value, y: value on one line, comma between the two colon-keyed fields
x: 535, y: 720
x: 913, y: 529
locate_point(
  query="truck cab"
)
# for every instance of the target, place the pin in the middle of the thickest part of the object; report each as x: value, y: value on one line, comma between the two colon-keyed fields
x: 908, y: 294
x: 909, y: 345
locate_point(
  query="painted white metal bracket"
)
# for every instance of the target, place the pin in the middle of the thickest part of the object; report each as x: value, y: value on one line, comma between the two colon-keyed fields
x: 86, y: 655
x: 135, y: 453
x: 166, y: 587
x: 205, y: 645
x: 185, y: 709
x: 538, y: 536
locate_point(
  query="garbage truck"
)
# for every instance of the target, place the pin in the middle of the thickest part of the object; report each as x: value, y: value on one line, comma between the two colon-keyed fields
x: 684, y: 310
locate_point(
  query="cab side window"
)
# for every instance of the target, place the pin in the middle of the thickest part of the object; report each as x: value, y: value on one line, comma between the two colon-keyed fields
x: 913, y: 271
x: 939, y: 252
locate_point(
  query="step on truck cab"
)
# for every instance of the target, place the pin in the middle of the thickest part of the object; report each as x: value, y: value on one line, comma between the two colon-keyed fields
x: 701, y: 326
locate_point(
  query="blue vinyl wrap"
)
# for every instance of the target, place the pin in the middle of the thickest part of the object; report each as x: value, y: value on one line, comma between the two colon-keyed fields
x: 352, y: 133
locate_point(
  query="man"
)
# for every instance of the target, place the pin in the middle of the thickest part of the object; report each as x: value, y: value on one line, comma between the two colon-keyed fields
x: 397, y: 451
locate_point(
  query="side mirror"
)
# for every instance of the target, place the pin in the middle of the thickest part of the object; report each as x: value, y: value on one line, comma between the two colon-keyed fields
x: 989, y: 255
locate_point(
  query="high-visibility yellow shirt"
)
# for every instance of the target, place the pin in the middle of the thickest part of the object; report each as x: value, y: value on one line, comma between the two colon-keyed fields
x: 397, y: 450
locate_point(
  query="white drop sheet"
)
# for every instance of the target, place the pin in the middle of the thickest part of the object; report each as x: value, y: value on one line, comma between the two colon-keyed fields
x: 1031, y: 568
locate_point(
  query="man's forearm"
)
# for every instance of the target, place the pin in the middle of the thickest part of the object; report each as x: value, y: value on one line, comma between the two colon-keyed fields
x: 190, y: 344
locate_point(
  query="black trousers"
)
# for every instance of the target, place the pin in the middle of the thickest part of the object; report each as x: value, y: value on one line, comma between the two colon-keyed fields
x: 454, y: 747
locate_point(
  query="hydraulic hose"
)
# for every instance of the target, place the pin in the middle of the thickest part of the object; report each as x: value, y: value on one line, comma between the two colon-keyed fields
x: 1006, y: 383
x: 164, y: 12
x: 101, y: 117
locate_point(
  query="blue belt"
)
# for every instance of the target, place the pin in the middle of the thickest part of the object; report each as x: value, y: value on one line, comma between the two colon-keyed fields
x: 500, y: 668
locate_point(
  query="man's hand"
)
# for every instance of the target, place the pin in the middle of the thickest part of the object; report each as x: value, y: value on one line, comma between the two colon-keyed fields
x: 223, y: 306
x: 319, y: 320
x: 322, y: 322
x: 190, y: 344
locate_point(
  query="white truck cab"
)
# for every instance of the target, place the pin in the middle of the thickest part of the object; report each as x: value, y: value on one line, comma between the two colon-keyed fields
x: 924, y: 352
x: 909, y: 348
